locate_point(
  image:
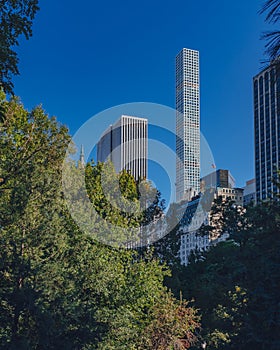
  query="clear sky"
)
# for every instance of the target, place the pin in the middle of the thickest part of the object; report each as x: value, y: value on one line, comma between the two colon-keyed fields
x: 90, y: 55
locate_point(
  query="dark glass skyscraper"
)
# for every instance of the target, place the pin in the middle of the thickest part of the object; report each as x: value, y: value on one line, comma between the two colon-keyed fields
x: 267, y: 129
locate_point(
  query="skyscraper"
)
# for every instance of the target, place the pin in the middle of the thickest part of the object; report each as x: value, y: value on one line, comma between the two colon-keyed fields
x: 125, y: 144
x: 187, y: 124
x: 267, y: 129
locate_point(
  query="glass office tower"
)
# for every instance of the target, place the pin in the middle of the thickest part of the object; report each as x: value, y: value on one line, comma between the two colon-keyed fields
x: 267, y: 129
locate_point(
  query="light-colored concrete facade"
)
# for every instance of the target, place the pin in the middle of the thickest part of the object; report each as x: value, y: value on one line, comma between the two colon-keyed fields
x: 193, y: 215
x: 126, y: 144
x: 233, y: 194
x: 187, y: 124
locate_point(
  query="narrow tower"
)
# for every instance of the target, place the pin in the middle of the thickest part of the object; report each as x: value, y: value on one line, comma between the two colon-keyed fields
x: 82, y: 157
x: 187, y: 124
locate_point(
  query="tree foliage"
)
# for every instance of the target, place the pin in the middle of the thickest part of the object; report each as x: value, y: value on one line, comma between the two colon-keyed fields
x: 235, y: 284
x: 272, y: 10
x: 59, y: 287
x: 16, y: 18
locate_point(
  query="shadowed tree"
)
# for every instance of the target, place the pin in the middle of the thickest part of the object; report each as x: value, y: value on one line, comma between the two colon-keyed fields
x: 235, y: 284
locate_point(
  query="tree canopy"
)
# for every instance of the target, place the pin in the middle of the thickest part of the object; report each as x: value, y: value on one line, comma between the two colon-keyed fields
x: 272, y: 10
x: 16, y: 17
x: 235, y: 284
x: 60, y: 287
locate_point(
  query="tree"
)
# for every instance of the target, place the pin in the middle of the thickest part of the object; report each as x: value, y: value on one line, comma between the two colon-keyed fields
x: 60, y: 287
x: 16, y: 18
x: 32, y: 148
x: 173, y: 322
x: 235, y: 283
x: 167, y: 247
x: 147, y: 316
x: 272, y: 8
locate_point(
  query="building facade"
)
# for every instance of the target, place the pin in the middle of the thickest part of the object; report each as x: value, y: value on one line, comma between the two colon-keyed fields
x: 249, y: 195
x: 192, y: 213
x: 267, y: 129
x: 218, y: 178
x: 232, y: 194
x: 125, y: 144
x: 187, y: 124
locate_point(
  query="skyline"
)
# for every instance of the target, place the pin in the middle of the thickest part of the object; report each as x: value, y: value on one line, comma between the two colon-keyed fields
x: 100, y: 58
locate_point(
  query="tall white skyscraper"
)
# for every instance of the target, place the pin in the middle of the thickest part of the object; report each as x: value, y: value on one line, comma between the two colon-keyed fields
x: 187, y: 124
x: 125, y: 143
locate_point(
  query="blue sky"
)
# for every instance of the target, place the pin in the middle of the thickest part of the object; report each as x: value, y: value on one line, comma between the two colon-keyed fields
x: 89, y: 55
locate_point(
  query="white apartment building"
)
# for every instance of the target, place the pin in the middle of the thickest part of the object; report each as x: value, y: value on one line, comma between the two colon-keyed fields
x: 193, y: 216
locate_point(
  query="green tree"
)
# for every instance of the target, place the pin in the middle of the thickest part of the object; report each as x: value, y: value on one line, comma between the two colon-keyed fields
x: 147, y: 316
x: 16, y: 18
x: 167, y: 247
x: 235, y: 283
x: 272, y: 10
x: 60, y: 287
x: 32, y: 147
